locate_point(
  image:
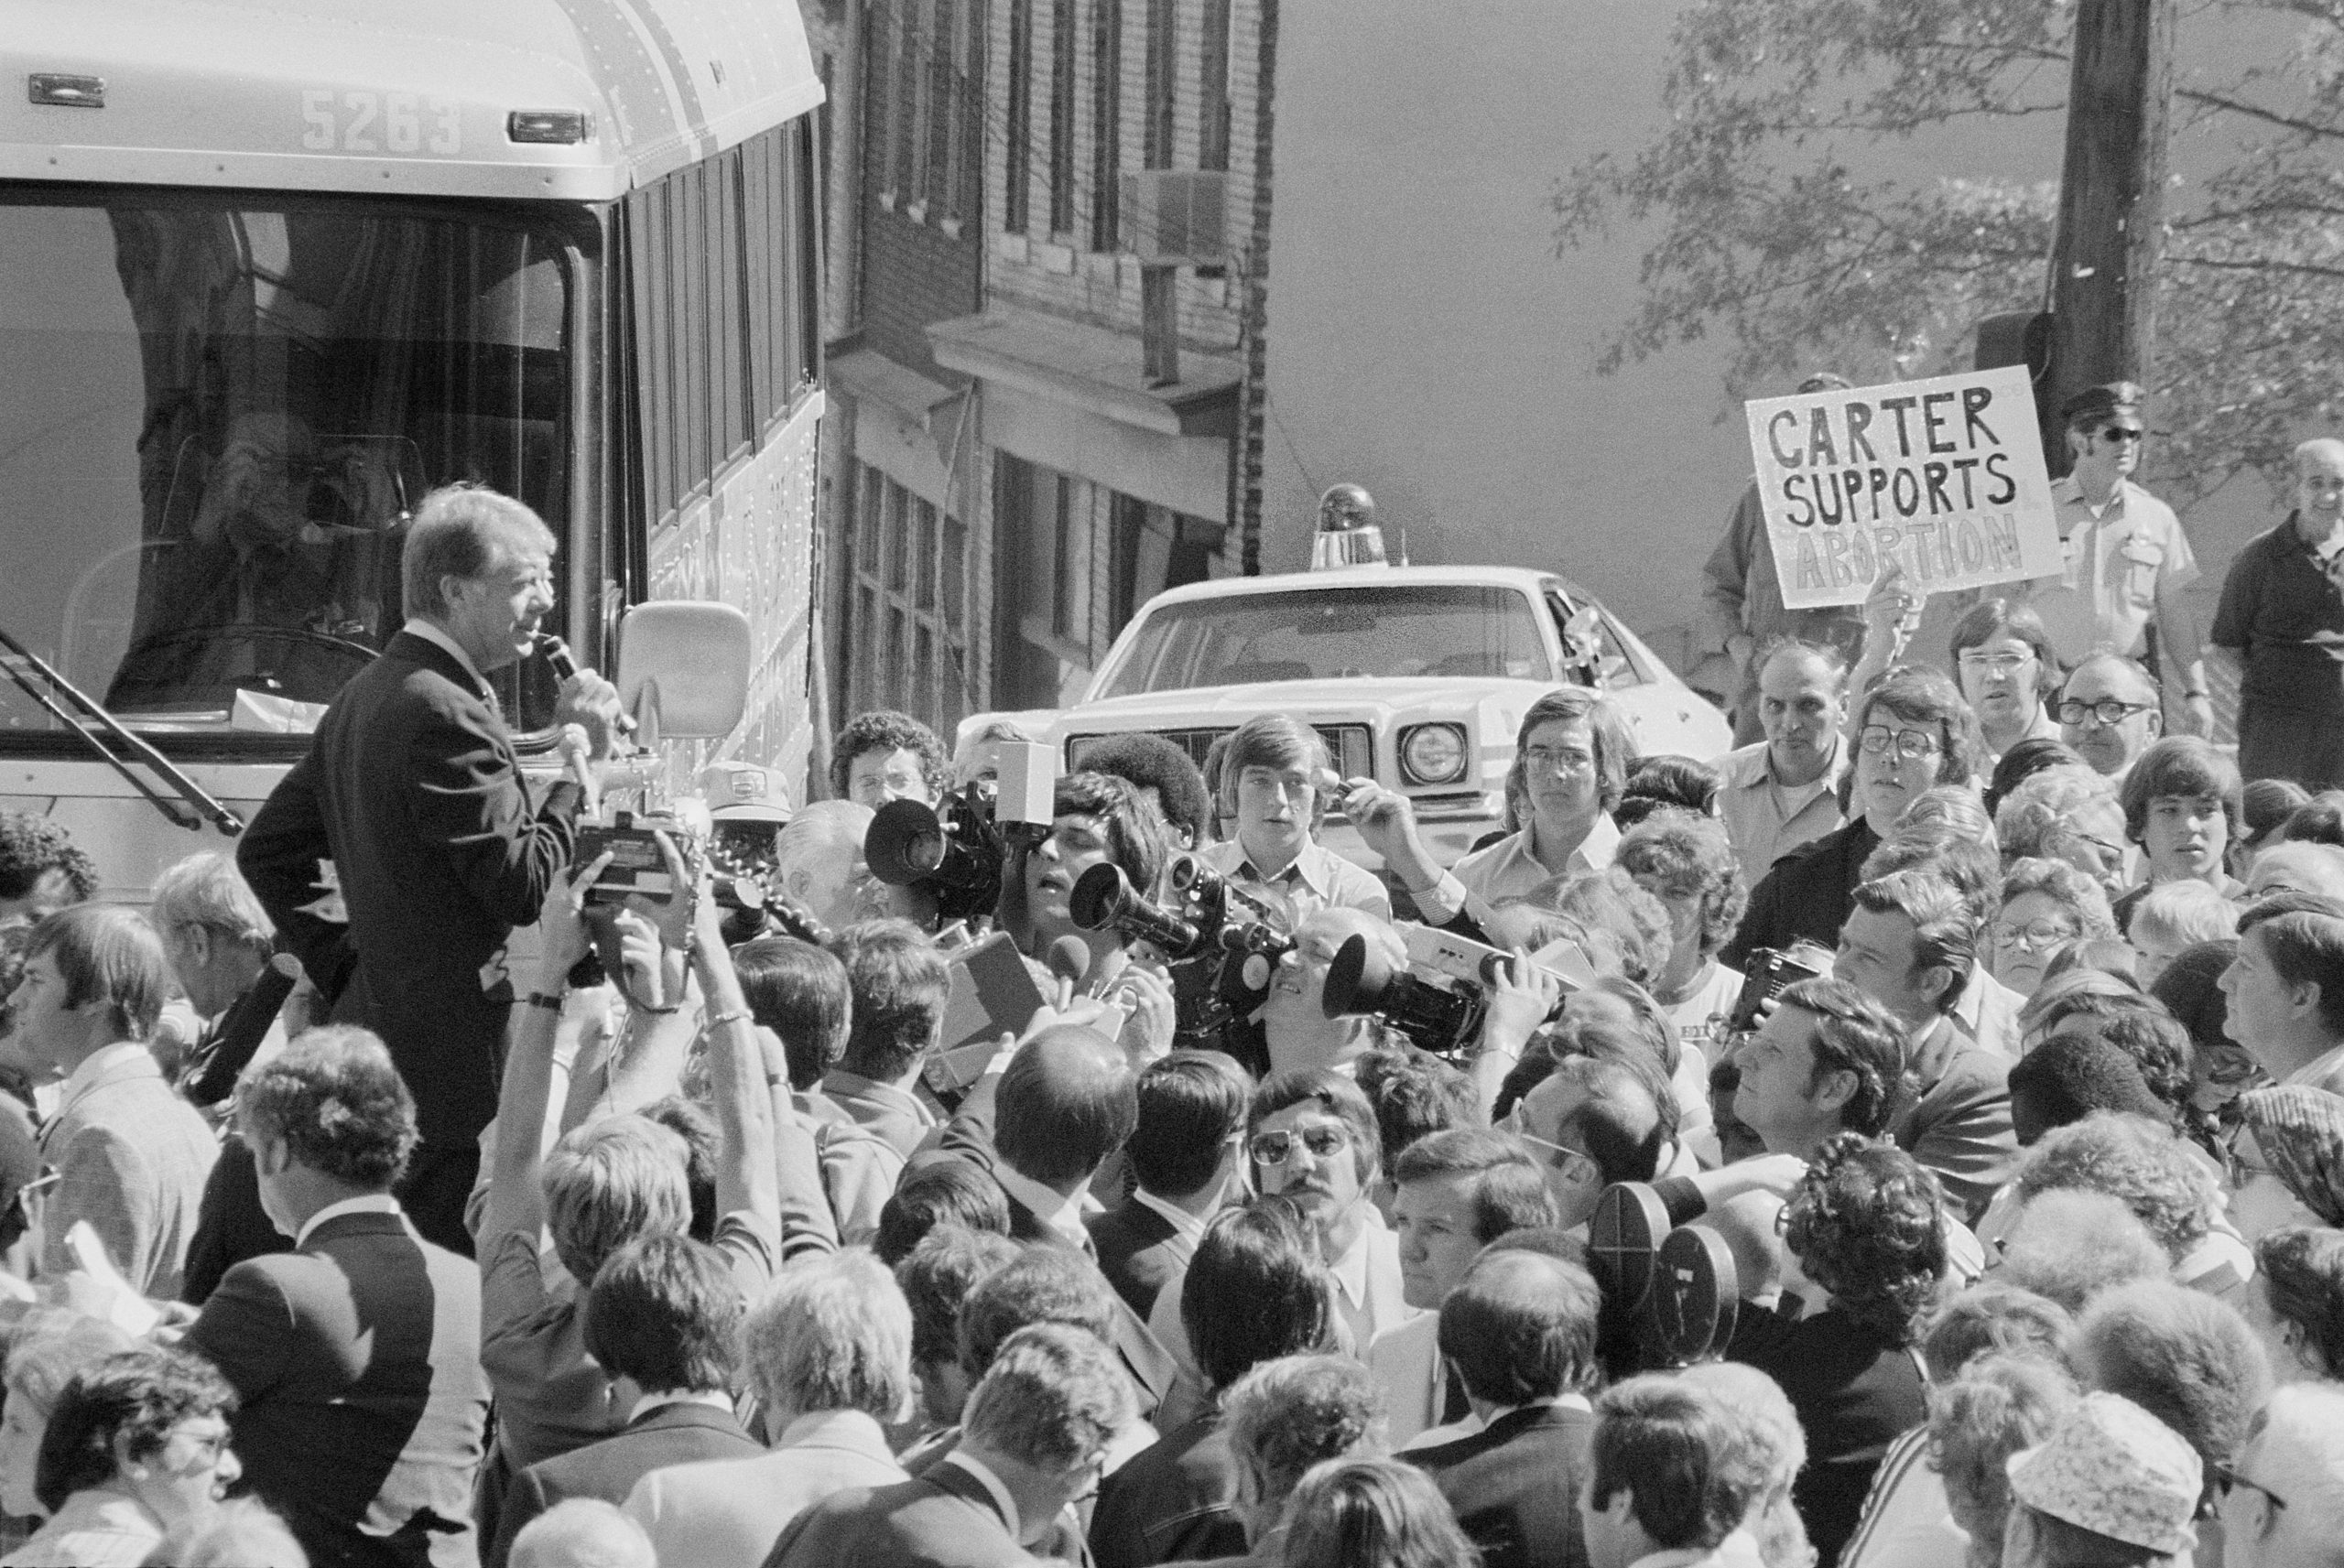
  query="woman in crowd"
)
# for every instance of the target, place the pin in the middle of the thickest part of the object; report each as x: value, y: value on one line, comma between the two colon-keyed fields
x: 2067, y: 813
x: 136, y: 1450
x: 2219, y: 1069
x: 2021, y: 762
x: 2043, y: 903
x: 2009, y: 674
x: 2000, y: 1404
x: 2156, y: 1174
x: 2264, y: 806
x: 2065, y: 1512
x: 2297, y: 1305
x: 2288, y: 1159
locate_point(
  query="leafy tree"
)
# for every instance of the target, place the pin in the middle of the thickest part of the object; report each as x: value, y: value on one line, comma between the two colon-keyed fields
x: 1766, y: 230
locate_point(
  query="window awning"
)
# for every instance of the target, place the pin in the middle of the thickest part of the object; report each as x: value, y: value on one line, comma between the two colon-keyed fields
x: 1091, y: 369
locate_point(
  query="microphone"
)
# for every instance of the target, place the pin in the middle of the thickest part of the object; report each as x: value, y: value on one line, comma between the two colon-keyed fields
x: 564, y: 664
x: 241, y: 1028
x: 1069, y: 959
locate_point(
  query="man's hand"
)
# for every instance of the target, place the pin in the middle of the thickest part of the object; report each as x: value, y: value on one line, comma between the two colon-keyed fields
x: 2197, y: 709
x: 592, y: 703
x: 1386, y: 823
x: 1148, y: 1032
x: 674, y: 914
x: 1523, y: 998
x: 1892, y: 611
x: 562, y: 937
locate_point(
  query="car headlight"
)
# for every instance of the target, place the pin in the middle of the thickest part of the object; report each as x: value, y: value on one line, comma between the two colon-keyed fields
x: 1433, y: 753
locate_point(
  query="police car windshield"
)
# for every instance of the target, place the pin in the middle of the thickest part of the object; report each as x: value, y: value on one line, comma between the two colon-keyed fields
x: 216, y: 412
x: 1395, y: 632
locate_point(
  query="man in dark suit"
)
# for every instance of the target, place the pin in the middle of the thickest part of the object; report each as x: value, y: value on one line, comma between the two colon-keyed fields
x: 1036, y: 1435
x: 1184, y: 1153
x: 356, y: 1357
x: 1520, y: 1332
x: 661, y: 1315
x: 397, y: 856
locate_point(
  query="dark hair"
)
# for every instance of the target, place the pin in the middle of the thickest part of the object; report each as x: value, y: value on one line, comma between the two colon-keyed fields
x: 2190, y: 989
x: 2304, y: 935
x: 2180, y: 766
x: 2067, y: 1078
x: 1254, y: 1292
x: 884, y: 730
x: 1607, y: 729
x: 1867, y: 1223
x: 1335, y: 1095
x: 1415, y: 1093
x: 898, y: 983
x: 31, y: 847
x: 1284, y: 1416
x: 2318, y: 820
x: 2266, y: 804
x: 1066, y: 1100
x: 1133, y: 829
x: 2303, y: 1272
x: 2024, y: 759
x: 1521, y: 1327
x: 696, y: 1125
x: 1991, y: 617
x: 1684, y: 1461
x: 939, y: 1277
x: 1626, y: 1117
x: 1854, y: 1034
x: 1042, y: 1284
x: 1945, y: 923
x: 337, y: 1104
x: 664, y: 1311
x: 1508, y: 1191
x: 1919, y: 694
x: 2160, y: 1046
x: 1372, y: 1513
x: 1151, y: 761
x: 1692, y: 857
x: 1666, y: 783
x: 943, y: 1193
x: 1190, y: 1104
x: 139, y: 1396
x: 802, y: 994
x: 108, y: 953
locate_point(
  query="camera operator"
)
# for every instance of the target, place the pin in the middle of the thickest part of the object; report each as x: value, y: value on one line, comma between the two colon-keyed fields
x: 1294, y: 1018
x: 1571, y: 767
x: 1270, y: 783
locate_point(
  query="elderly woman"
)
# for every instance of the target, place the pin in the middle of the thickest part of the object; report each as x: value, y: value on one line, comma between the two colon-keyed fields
x: 2188, y: 1360
x: 2287, y: 1161
x: 2181, y: 806
x: 2043, y: 904
x: 2160, y: 1177
x: 1867, y: 1226
x: 2065, y: 1512
x: 2297, y: 1305
x: 1913, y: 732
x: 136, y: 1450
x: 2069, y: 814
x: 2000, y: 1403
x: 2009, y: 673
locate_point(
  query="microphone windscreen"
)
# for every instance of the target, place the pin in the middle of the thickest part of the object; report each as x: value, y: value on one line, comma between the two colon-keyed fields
x: 1069, y: 959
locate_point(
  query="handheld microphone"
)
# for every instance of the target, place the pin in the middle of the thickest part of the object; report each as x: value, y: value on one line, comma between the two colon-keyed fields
x: 241, y: 1028
x: 564, y: 664
x: 1069, y: 959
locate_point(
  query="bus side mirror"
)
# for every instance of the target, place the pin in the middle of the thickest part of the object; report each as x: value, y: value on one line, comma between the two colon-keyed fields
x: 684, y: 669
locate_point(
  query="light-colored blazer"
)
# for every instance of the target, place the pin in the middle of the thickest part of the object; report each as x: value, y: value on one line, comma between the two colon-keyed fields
x: 131, y: 1157
x: 727, y: 1513
x: 1405, y: 1360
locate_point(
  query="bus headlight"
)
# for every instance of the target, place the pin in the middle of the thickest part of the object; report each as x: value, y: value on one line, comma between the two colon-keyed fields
x: 1433, y: 754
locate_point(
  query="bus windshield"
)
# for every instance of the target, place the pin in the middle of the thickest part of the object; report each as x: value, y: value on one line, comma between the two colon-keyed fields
x: 217, y: 412
x: 1399, y: 631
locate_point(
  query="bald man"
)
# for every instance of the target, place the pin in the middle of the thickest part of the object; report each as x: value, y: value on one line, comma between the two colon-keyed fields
x: 1782, y: 792
x: 2281, y: 629
x: 819, y: 857
x: 2108, y: 712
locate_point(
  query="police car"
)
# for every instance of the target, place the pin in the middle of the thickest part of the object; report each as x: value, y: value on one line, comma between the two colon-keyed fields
x: 1418, y: 676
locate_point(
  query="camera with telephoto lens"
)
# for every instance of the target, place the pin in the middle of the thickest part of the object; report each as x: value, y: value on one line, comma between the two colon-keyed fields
x: 1222, y: 965
x: 1442, y: 1018
x: 953, y: 851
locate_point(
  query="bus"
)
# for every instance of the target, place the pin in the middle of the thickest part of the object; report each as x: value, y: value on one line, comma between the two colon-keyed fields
x: 271, y: 270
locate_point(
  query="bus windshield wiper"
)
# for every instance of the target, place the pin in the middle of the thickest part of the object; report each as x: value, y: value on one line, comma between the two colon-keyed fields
x: 115, y: 746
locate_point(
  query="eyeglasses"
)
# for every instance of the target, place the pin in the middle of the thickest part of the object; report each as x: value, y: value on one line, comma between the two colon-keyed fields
x: 1573, y: 1165
x: 2225, y: 1478
x: 1560, y: 762
x: 2034, y: 934
x: 2123, y: 433
x: 1999, y: 664
x: 2108, y: 710
x: 1911, y: 744
x: 1276, y: 1148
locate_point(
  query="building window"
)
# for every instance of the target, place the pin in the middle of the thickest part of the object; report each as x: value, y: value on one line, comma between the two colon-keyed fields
x: 910, y: 637
x: 904, y: 117
x: 1163, y: 75
x: 1066, y: 574
x: 1212, y: 87
x: 1019, y: 161
x: 1106, y: 120
x: 1062, y: 62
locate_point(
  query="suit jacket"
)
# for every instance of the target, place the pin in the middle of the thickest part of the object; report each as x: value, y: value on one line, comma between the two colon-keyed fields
x: 1175, y: 1501
x: 1959, y: 1127
x: 1406, y: 1363
x: 412, y: 790
x: 943, y: 1519
x: 727, y: 1513
x: 1514, y: 1485
x: 230, y: 1225
x: 1132, y: 1245
x: 671, y: 1434
x: 356, y: 1360
x: 1806, y: 895
x: 131, y: 1157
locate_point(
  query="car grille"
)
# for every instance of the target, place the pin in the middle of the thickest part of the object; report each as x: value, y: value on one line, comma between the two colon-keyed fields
x: 1351, y: 746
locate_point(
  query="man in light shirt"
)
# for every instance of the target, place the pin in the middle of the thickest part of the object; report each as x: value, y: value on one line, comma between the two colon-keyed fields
x: 1783, y: 792
x: 1271, y: 783
x: 2286, y: 989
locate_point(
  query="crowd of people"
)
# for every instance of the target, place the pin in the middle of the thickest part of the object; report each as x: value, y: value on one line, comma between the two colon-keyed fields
x: 1982, y: 1046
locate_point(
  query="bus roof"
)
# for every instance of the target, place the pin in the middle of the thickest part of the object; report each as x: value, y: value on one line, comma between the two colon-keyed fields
x: 411, y: 98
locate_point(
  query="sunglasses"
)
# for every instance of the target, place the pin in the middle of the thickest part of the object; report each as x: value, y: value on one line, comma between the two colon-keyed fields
x: 1276, y: 1148
x: 2226, y: 1478
x: 1571, y: 1163
x: 2123, y: 433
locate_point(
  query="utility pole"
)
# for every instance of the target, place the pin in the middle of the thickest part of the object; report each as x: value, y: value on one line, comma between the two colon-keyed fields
x: 2112, y: 205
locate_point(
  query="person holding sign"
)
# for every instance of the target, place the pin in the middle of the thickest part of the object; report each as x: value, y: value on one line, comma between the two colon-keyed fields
x: 2125, y: 559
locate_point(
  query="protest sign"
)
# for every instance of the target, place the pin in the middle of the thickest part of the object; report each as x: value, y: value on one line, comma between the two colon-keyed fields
x: 1945, y: 476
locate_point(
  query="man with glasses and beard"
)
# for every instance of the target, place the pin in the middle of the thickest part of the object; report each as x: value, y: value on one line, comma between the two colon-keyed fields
x: 2127, y: 559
